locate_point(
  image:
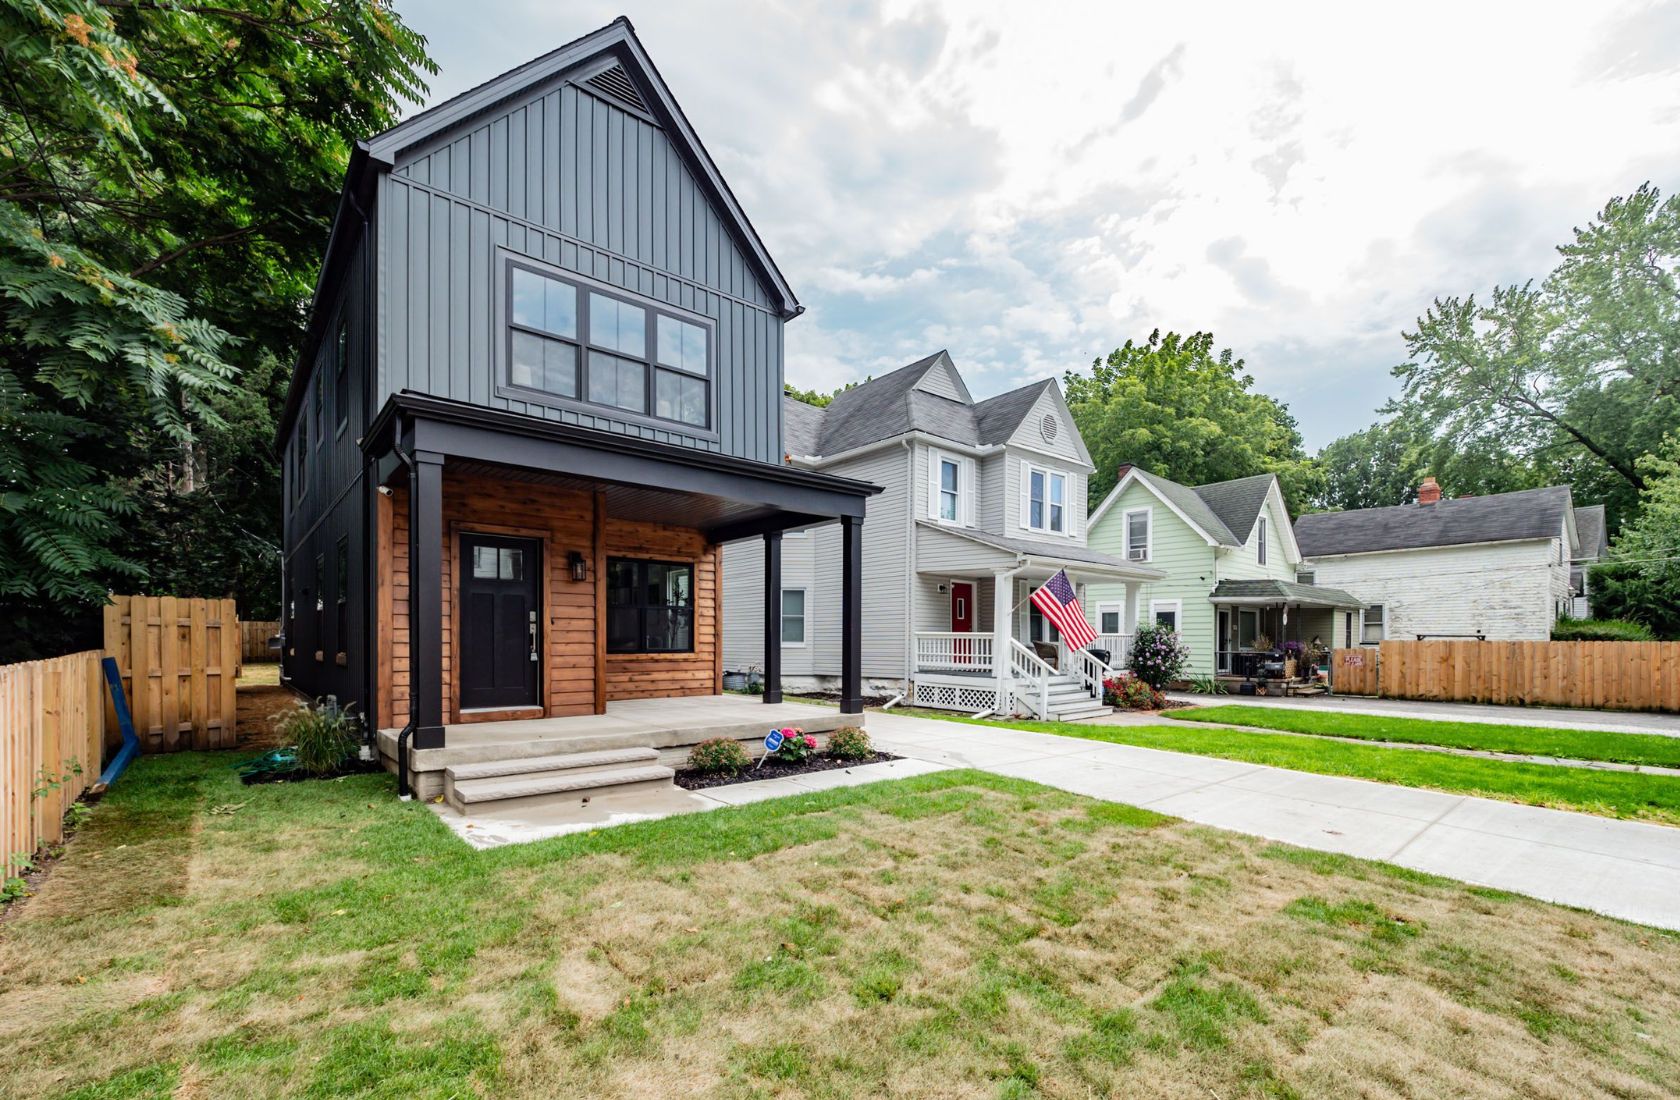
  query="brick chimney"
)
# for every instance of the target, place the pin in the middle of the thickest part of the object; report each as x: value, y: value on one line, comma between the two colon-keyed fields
x: 1120, y: 473
x: 1429, y: 492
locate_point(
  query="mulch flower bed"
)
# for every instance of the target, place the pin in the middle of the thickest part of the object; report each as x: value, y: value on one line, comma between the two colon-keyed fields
x: 772, y: 768
x: 273, y: 768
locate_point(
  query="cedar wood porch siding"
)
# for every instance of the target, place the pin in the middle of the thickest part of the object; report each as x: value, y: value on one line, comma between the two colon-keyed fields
x: 564, y: 520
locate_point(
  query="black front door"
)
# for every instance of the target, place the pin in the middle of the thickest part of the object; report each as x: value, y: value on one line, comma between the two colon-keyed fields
x: 501, y: 636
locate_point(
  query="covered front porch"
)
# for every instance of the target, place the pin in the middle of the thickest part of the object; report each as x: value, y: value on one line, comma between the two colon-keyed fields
x: 539, y: 584
x: 1261, y: 626
x: 979, y: 644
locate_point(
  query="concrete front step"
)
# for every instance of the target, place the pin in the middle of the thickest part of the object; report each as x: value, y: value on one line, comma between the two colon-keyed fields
x: 1079, y: 714
x: 555, y: 787
x: 574, y: 763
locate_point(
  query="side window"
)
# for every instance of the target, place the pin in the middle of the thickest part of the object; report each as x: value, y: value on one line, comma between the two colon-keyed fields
x: 341, y: 642
x: 1137, y: 535
x: 1261, y: 550
x: 341, y: 374
x: 1374, y: 625
x: 793, y: 616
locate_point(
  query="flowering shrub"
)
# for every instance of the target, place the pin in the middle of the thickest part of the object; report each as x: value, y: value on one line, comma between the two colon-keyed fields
x: 797, y: 746
x: 1131, y: 693
x: 718, y: 754
x: 850, y: 743
x: 1158, y: 655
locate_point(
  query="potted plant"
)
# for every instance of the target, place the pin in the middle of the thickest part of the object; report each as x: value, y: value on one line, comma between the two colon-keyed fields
x: 1291, y: 659
x: 735, y: 681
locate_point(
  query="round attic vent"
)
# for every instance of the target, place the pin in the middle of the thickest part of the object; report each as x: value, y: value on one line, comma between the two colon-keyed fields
x: 1049, y: 427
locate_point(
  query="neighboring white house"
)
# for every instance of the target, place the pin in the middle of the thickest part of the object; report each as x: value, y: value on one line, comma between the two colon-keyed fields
x: 982, y: 502
x: 1496, y: 567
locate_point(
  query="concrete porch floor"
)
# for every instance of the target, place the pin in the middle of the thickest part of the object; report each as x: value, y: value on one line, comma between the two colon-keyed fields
x: 670, y: 725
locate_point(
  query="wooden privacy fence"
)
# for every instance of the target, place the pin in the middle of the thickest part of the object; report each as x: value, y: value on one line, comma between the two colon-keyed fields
x: 1593, y: 675
x: 253, y: 640
x: 52, y: 736
x: 1354, y: 671
x: 179, y: 659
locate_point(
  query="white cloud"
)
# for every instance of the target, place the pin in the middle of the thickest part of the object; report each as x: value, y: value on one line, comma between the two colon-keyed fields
x: 1031, y: 187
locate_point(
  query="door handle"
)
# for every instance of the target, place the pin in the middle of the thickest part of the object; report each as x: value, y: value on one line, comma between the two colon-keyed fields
x: 533, y: 621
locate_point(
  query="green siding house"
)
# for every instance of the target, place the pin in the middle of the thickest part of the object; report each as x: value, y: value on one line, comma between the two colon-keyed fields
x: 1235, y: 588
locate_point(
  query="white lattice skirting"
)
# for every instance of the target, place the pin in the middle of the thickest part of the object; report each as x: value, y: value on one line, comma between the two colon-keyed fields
x: 969, y: 697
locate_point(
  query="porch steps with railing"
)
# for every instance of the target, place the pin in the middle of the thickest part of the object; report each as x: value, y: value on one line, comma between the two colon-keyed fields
x: 562, y: 779
x: 1071, y: 701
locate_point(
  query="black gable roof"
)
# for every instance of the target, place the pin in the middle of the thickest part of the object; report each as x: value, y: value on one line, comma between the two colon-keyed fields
x: 1527, y: 514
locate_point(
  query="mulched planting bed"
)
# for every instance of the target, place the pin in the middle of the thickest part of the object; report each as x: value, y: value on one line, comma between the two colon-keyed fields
x: 772, y: 769
x: 281, y: 774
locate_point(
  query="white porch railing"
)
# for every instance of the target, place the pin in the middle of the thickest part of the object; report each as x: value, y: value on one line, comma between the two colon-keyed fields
x: 1119, y: 648
x: 1091, y: 672
x: 945, y: 652
x: 1032, y: 678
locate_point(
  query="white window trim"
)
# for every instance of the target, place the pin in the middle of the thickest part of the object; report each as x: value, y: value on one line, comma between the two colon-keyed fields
x: 804, y: 615
x: 1119, y: 610
x: 1260, y: 526
x: 1174, y: 606
x: 966, y: 478
x: 1148, y: 512
x: 1382, y: 624
x: 1068, y: 489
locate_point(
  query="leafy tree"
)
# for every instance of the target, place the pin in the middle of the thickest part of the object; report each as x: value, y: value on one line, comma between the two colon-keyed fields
x: 1581, y: 372
x: 168, y: 173
x: 1641, y: 582
x: 1176, y: 408
x: 1383, y: 465
x: 817, y: 397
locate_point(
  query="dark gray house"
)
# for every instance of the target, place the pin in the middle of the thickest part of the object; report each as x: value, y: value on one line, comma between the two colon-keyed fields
x: 542, y: 384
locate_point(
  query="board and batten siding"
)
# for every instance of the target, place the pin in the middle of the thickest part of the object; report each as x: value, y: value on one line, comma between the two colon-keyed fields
x: 813, y: 562
x: 1181, y: 553
x: 1507, y: 590
x: 567, y: 179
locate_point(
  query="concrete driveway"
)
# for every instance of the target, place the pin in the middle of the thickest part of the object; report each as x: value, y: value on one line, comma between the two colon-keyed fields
x: 1623, y: 869
x: 1611, y: 721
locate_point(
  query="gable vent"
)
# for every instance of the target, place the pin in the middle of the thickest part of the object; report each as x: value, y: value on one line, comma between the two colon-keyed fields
x: 1049, y: 427
x: 617, y: 83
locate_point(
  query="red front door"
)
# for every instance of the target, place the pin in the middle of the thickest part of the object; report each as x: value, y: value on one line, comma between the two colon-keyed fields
x: 962, y: 619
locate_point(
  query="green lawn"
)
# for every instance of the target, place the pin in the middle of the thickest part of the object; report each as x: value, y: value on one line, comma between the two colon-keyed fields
x: 1609, y: 793
x: 958, y: 934
x: 1622, y: 748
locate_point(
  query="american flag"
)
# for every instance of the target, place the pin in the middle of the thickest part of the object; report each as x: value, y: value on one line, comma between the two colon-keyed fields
x: 1056, y: 600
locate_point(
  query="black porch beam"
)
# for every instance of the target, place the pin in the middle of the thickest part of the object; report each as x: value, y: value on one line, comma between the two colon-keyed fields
x: 772, y: 616
x: 425, y: 599
x: 781, y: 521
x: 851, y: 615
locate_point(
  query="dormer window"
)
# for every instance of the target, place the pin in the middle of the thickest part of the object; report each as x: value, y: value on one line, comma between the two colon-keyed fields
x: 579, y: 343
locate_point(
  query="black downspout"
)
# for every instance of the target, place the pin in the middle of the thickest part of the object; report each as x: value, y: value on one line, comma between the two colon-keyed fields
x: 408, y: 730
x: 370, y: 504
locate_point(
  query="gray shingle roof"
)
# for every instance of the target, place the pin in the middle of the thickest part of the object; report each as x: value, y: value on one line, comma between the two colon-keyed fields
x: 1589, y: 526
x: 1310, y: 595
x: 1237, y: 503
x: 891, y: 405
x: 1188, y: 501
x: 1527, y: 514
x: 802, y: 427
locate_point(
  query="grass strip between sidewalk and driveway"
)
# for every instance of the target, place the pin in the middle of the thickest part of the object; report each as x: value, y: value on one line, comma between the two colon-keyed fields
x: 1587, y: 790
x: 1569, y: 744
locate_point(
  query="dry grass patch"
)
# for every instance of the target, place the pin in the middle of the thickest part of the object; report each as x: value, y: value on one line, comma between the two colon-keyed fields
x: 952, y: 935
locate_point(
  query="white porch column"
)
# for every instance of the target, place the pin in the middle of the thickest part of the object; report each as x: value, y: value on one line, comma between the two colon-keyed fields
x: 1003, y: 605
x: 1129, y: 620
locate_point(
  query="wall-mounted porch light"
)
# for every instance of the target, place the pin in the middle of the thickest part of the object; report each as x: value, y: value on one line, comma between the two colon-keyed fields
x: 579, y: 568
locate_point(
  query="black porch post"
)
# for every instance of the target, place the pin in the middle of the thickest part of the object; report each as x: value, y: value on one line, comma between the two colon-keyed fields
x: 851, y: 615
x: 772, y: 616
x: 425, y: 599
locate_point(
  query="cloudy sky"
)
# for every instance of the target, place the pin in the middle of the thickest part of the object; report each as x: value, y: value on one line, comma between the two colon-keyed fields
x: 1031, y: 184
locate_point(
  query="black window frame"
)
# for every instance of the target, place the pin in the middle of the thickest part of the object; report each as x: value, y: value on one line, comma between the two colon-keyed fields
x: 320, y: 607
x: 652, y: 310
x: 640, y: 588
x: 341, y: 374
x: 301, y: 457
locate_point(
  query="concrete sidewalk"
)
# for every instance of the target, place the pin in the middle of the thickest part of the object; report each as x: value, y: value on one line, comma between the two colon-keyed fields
x: 1609, y: 721
x: 1624, y: 869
